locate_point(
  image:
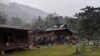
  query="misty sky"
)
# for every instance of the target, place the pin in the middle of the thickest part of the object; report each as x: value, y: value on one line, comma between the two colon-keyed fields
x: 62, y: 7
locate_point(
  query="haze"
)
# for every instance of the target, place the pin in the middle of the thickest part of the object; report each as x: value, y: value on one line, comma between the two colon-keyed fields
x: 62, y: 7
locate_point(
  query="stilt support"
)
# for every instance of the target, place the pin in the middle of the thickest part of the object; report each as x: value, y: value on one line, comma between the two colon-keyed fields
x: 2, y: 53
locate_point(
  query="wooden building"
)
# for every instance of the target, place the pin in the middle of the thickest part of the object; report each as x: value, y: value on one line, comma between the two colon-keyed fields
x: 51, y: 35
x: 42, y: 37
x: 13, y: 38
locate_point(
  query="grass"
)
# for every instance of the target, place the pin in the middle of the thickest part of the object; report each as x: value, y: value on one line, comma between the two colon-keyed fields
x: 92, y: 51
x: 57, y: 50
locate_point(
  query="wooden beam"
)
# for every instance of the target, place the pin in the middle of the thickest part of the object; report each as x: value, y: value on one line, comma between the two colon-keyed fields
x: 2, y: 53
x: 14, y: 37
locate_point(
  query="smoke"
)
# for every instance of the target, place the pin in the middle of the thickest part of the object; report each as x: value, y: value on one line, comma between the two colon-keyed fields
x: 5, y: 1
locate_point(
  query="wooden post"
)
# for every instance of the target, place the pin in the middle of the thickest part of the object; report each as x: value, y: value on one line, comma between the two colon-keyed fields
x: 2, y: 53
x: 15, y: 44
x: 7, y: 40
x: 77, y: 48
x: 14, y: 36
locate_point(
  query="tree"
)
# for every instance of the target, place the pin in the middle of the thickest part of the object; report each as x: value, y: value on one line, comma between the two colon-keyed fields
x: 3, y: 18
x: 39, y: 22
x: 15, y: 21
x: 89, y: 21
x: 71, y: 23
x: 53, y: 19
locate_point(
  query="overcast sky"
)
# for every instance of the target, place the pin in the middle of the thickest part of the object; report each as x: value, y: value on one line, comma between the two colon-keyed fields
x: 62, y: 7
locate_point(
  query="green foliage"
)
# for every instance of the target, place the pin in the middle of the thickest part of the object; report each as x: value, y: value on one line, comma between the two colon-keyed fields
x: 39, y: 22
x: 89, y: 21
x: 71, y: 23
x: 3, y: 18
x: 53, y: 19
x: 16, y: 21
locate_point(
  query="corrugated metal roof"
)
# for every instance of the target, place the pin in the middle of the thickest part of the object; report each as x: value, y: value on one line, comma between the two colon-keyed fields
x: 50, y: 29
x: 12, y: 27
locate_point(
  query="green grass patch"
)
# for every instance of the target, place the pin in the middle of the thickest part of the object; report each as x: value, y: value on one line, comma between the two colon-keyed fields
x: 57, y: 50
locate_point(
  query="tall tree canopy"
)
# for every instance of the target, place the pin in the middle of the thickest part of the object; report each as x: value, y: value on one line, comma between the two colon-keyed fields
x: 89, y: 20
x: 16, y: 21
x: 53, y: 19
x: 3, y: 18
x: 39, y: 22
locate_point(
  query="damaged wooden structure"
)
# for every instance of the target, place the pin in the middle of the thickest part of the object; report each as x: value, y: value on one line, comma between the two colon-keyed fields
x: 13, y: 38
x: 51, y: 35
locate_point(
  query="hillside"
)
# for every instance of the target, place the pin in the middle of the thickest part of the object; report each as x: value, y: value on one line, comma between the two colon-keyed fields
x: 22, y: 11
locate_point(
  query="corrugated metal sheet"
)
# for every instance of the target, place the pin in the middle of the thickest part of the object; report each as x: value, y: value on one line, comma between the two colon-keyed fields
x: 13, y: 27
